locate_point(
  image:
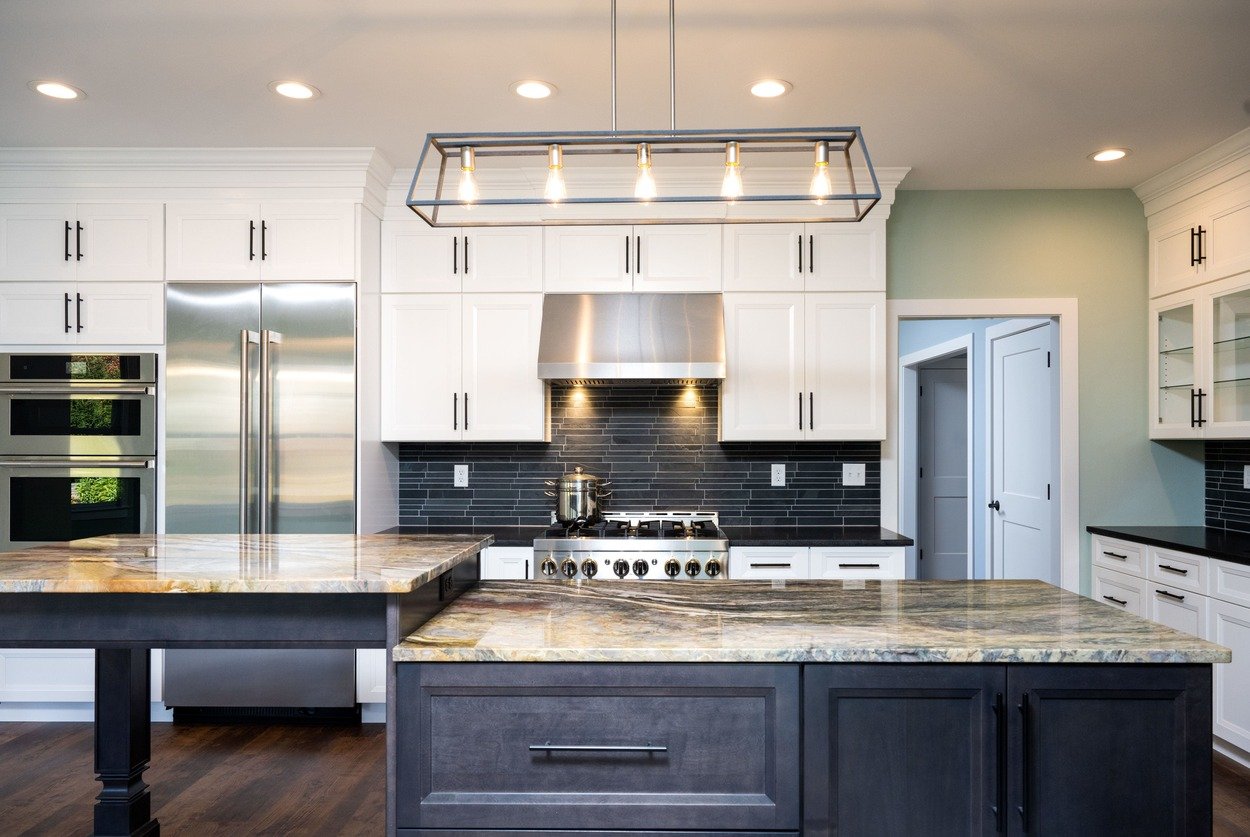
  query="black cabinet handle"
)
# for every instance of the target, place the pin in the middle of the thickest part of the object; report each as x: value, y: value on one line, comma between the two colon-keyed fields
x: 595, y: 748
x: 1120, y: 602
x: 251, y: 241
x: 527, y: 568
x: 811, y: 411
x: 78, y: 241
x: 78, y: 311
x: 859, y: 566
x: 766, y: 566
x: 1193, y: 416
x: 466, y: 260
x: 1000, y: 768
x: 455, y: 411
x: 800, y: 253
x: 1201, y: 395
x: 455, y: 254
x: 67, y: 245
x: 800, y: 411
x: 1177, y: 570
x: 1172, y: 596
x: 1025, y: 758
x: 638, y: 255
x: 466, y: 410
x: 1202, y: 245
x: 264, y: 251
x: 1193, y: 246
x: 995, y: 506
x: 811, y: 254
x: 1115, y: 555
x: 627, y: 271
x: 67, y: 300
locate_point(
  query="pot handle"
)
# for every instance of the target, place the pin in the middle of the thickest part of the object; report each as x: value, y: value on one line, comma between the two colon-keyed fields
x: 550, y: 493
x: 602, y: 494
x: 549, y: 483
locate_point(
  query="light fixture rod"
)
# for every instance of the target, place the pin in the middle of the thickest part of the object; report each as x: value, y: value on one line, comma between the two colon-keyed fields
x: 613, y: 66
x: 672, y: 67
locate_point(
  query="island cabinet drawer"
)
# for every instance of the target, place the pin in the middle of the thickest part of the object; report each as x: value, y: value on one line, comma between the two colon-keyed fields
x: 1178, y: 569
x: 597, y: 746
x: 1122, y: 556
x: 853, y: 562
x: 1121, y: 591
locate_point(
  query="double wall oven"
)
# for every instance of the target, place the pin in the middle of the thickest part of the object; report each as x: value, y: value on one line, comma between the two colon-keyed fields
x: 77, y: 446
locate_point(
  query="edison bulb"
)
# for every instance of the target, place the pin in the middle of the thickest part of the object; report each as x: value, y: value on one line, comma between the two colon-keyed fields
x: 821, y: 186
x: 644, y: 186
x: 467, y: 189
x: 731, y: 186
x: 555, y: 190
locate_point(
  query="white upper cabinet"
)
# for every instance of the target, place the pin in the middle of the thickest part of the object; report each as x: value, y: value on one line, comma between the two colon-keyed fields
x: 1174, y: 263
x: 1206, y: 239
x: 660, y: 258
x: 39, y: 313
x: 761, y: 398
x: 305, y: 241
x: 845, y: 366
x: 811, y: 257
x: 461, y: 367
x: 1177, y: 366
x: 1229, y: 250
x: 84, y: 242
x: 418, y: 258
x: 54, y: 313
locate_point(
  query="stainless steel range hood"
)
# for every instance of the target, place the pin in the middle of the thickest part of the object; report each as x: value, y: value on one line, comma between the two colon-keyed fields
x: 609, y: 338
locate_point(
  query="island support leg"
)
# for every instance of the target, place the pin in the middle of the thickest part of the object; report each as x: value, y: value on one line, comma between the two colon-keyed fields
x: 123, y: 744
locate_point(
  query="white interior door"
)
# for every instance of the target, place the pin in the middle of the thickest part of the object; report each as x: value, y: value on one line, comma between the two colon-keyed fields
x: 503, y: 399
x: 942, y: 486
x: 1023, y: 429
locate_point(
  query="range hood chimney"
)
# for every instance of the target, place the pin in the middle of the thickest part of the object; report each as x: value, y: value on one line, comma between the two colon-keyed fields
x: 611, y: 338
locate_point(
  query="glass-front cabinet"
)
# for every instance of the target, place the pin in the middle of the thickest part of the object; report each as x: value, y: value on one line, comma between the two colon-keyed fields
x: 1228, y: 306
x: 1176, y: 368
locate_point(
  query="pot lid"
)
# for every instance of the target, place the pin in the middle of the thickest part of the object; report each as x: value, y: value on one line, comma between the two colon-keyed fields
x: 579, y: 475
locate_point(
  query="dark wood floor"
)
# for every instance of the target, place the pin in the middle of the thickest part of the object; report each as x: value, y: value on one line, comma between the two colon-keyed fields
x: 313, y: 781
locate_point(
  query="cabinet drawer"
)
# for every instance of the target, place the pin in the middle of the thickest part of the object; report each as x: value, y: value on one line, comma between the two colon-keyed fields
x: 1121, y: 556
x: 883, y: 562
x: 597, y: 746
x: 1119, y: 590
x: 507, y: 562
x: 764, y: 562
x: 1178, y: 609
x: 1230, y: 582
x: 1178, y: 569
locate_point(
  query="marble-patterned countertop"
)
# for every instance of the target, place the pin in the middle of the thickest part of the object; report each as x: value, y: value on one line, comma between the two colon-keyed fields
x: 236, y: 564
x: 793, y: 621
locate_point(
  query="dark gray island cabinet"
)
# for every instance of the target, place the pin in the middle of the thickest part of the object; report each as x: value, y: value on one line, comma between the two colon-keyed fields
x: 814, y: 708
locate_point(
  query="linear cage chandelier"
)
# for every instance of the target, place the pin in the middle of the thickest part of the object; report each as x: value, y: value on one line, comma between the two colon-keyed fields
x: 749, y: 175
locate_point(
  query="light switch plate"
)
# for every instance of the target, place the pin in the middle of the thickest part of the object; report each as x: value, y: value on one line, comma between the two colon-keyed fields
x: 854, y: 473
x: 1245, y: 476
x: 460, y: 476
x: 779, y: 476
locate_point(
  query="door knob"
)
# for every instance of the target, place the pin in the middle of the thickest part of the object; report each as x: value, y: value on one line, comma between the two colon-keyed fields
x: 994, y: 505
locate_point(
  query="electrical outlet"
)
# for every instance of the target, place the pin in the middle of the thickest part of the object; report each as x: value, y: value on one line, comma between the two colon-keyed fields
x: 1245, y: 477
x: 460, y: 476
x: 779, y: 476
x: 854, y: 474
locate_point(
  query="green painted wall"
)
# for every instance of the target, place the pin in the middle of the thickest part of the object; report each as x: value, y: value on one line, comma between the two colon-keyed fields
x: 1087, y: 244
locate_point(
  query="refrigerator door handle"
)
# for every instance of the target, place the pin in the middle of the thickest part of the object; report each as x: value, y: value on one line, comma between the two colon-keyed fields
x: 267, y: 339
x: 246, y: 339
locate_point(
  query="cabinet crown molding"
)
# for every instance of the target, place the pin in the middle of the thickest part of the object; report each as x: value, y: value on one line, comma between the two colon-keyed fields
x: 1190, y: 178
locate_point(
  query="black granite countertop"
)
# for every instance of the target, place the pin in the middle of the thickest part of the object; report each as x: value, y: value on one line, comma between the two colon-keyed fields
x: 504, y: 535
x: 1199, y: 540
x: 814, y: 536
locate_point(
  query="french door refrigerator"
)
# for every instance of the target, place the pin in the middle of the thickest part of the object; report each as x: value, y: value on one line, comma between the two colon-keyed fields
x: 260, y: 430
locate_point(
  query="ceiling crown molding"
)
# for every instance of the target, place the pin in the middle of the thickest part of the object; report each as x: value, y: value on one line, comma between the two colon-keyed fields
x: 1222, y: 161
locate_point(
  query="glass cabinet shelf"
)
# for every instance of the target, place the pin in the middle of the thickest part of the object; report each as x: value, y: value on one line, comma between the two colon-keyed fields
x: 1189, y: 385
x: 1177, y: 351
x: 1232, y: 343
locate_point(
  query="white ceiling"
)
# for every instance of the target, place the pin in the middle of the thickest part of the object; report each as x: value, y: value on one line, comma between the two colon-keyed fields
x: 969, y: 93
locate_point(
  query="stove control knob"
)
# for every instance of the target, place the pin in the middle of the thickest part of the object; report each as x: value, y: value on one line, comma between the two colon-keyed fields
x: 569, y: 567
x: 640, y: 568
x: 621, y: 567
x: 548, y: 566
x: 712, y: 568
x: 589, y: 568
x: 672, y: 568
x: 693, y: 567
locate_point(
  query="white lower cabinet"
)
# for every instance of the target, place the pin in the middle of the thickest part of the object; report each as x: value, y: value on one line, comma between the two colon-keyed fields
x: 371, y: 675
x: 827, y: 562
x: 1120, y: 590
x: 768, y: 562
x: 502, y: 563
x: 1229, y: 625
x: 1178, y: 609
x: 47, y: 675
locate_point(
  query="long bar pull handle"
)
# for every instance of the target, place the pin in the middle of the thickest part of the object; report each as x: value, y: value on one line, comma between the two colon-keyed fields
x: 466, y: 412
x: 1172, y: 596
x: 1115, y: 555
x: 455, y: 255
x: 627, y: 271
x: 466, y: 255
x: 251, y: 241
x: 1193, y: 416
x: 1000, y: 766
x: 767, y: 565
x: 596, y: 748
x: 1174, y: 570
x: 267, y: 338
x: 811, y: 254
x: 1025, y: 758
x: 811, y: 411
x: 800, y: 411
x: 67, y: 302
x: 859, y: 566
x: 246, y: 339
x: 78, y: 241
x: 1193, y: 247
x: 1202, y: 245
x: 455, y: 411
x: 264, y: 248
x: 78, y: 312
x: 638, y: 254
x: 93, y: 462
x: 67, y: 243
x: 800, y: 253
x: 1201, y: 395
x: 1114, y: 600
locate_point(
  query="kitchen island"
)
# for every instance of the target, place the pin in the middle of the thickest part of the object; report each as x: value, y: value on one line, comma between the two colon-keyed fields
x: 800, y: 707
x: 124, y: 595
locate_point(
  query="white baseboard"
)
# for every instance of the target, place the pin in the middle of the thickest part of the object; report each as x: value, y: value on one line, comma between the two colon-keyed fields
x: 1232, y: 751
x: 373, y: 713
x: 50, y: 712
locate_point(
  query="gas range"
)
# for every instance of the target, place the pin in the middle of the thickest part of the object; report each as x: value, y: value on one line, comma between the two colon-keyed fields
x: 678, y: 545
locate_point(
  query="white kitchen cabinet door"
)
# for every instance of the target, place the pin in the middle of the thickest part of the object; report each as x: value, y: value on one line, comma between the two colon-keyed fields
x: 37, y: 242
x: 767, y: 562
x: 1230, y: 582
x: 588, y: 259
x: 845, y: 366
x: 762, y: 396
x: 308, y: 241
x: 40, y: 313
x: 1177, y: 366
x: 845, y: 257
x: 1176, y: 608
x: 503, y: 399
x: 859, y: 562
x: 502, y: 259
x: 677, y: 257
x: 371, y: 666
x: 506, y: 562
x: 418, y: 258
x: 124, y: 313
x: 121, y: 242
x: 212, y: 242
x: 47, y: 675
x: 763, y: 257
x: 1173, y: 256
x: 1229, y: 625
x: 1121, y: 591
x: 420, y: 367
x: 1228, y: 243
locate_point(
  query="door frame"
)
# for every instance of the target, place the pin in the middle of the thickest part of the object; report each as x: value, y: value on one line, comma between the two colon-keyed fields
x: 997, y: 332
x: 1064, y: 311
x: 909, y: 450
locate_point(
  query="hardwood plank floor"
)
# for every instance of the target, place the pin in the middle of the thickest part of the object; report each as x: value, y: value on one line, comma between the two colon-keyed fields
x: 272, y: 780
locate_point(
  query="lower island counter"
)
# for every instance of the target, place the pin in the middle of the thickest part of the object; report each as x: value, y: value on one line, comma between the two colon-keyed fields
x: 801, y: 707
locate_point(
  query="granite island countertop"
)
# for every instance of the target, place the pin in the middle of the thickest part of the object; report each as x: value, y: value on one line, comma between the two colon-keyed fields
x: 237, y: 564
x: 793, y: 621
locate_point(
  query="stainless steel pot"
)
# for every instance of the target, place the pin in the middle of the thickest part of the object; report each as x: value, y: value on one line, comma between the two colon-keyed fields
x: 578, y: 497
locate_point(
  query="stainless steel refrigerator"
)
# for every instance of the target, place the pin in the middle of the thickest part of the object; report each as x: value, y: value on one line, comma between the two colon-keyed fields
x: 260, y: 437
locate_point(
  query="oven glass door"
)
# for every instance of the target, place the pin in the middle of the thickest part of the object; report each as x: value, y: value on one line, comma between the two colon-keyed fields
x: 80, y: 422
x: 47, y: 501
x: 94, y: 368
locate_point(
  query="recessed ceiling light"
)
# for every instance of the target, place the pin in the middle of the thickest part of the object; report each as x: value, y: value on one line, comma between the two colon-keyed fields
x: 294, y: 89
x: 534, y: 89
x: 771, y: 88
x: 1109, y: 154
x: 56, y: 89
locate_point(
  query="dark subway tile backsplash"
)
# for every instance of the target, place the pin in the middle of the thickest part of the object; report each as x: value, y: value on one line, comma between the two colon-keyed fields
x: 1228, y: 503
x: 657, y: 445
